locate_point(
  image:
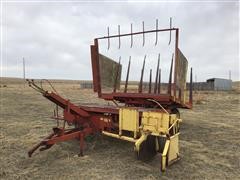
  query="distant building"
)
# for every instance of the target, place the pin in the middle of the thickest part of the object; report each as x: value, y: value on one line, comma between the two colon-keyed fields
x: 220, y: 84
x: 213, y: 84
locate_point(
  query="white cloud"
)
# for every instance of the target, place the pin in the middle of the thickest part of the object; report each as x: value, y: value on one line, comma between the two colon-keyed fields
x: 55, y: 38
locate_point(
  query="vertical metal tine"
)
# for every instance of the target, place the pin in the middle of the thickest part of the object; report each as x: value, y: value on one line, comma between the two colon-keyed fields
x: 159, y: 81
x: 108, y: 38
x: 116, y: 77
x: 191, y: 89
x: 156, y: 32
x: 119, y: 40
x: 170, y: 78
x: 141, y: 79
x: 126, y: 82
x: 143, y: 33
x: 170, y: 35
x: 150, y: 82
x: 156, y: 79
x: 131, y: 36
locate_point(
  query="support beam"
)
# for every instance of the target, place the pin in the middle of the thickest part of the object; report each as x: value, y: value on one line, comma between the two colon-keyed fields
x: 116, y: 77
x: 191, y: 89
x: 141, y: 79
x: 159, y: 81
x: 156, y: 78
x: 126, y: 82
x: 150, y: 82
x: 170, y: 79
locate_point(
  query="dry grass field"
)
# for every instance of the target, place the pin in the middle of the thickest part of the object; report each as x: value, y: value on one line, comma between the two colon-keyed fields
x: 209, y: 144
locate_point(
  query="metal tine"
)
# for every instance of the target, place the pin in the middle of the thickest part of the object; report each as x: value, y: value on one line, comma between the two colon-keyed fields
x: 170, y: 35
x: 170, y: 78
x: 156, y: 32
x: 191, y: 89
x: 141, y: 79
x: 108, y: 38
x: 159, y: 81
x: 126, y: 82
x: 143, y: 34
x: 131, y: 36
x: 150, y: 82
x: 116, y: 78
x: 119, y: 40
x: 156, y: 79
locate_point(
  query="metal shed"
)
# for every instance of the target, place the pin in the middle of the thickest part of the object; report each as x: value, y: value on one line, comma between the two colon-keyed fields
x: 220, y: 84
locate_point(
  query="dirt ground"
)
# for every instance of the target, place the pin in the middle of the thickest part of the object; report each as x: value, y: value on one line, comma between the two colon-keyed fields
x: 209, y: 140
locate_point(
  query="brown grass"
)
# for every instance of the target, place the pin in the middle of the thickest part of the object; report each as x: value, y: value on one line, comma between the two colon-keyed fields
x: 209, y: 145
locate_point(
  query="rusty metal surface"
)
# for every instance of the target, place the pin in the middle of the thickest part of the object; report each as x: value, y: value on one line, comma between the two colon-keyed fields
x: 95, y: 68
x: 181, y: 73
x: 110, y: 72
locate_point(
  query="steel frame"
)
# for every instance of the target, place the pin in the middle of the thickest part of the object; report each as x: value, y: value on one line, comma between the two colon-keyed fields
x: 93, y: 119
x: 169, y: 99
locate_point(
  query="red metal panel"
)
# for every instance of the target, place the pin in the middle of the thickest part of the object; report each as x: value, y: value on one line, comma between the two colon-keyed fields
x: 94, y: 67
x: 65, y: 104
x: 102, y: 109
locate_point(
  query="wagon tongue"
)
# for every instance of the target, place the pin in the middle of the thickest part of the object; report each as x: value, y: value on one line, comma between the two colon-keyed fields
x: 42, y: 143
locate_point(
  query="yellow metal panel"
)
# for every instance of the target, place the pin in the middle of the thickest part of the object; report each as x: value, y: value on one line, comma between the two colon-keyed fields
x: 156, y: 122
x: 173, y: 118
x: 173, y: 152
x: 165, y: 121
x: 129, y: 120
